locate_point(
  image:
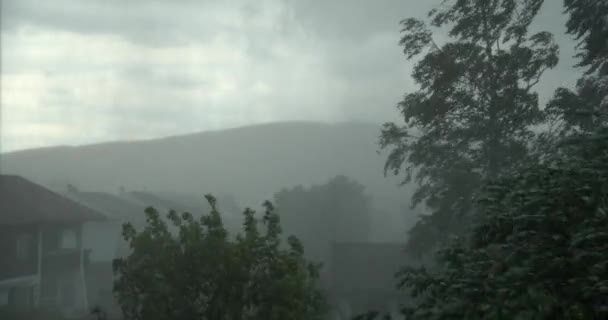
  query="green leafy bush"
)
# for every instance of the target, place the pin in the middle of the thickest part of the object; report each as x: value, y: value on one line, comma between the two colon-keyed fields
x: 197, y: 271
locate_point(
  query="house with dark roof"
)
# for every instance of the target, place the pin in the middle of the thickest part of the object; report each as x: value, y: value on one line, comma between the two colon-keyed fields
x: 41, y: 244
x: 106, y: 235
x: 105, y: 240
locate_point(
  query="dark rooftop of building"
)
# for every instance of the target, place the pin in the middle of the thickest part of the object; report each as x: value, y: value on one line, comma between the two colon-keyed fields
x: 113, y: 206
x: 24, y: 202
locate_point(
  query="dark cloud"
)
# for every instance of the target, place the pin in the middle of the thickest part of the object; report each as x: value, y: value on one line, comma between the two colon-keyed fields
x: 146, y: 68
x: 148, y: 22
x: 356, y: 20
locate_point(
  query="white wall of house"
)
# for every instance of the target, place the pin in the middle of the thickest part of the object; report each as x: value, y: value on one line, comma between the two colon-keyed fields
x: 66, y: 288
x: 101, y: 238
x: 3, y: 296
x: 70, y: 295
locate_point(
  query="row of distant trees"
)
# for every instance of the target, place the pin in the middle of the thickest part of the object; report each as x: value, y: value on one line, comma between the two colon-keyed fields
x: 518, y: 219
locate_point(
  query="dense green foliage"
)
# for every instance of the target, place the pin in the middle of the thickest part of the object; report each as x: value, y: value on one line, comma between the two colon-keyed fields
x: 471, y: 118
x: 587, y: 22
x: 538, y: 243
x: 192, y: 269
x: 584, y: 109
x: 538, y: 251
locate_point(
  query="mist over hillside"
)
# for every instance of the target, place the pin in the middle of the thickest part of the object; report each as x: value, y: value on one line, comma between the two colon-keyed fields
x: 250, y: 163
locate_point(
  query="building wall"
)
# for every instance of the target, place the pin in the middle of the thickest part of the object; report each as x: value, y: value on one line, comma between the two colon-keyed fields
x: 19, y: 252
x: 100, y: 283
x: 102, y: 240
x: 42, y: 265
x: 19, y: 279
x: 62, y: 283
x: 4, y: 295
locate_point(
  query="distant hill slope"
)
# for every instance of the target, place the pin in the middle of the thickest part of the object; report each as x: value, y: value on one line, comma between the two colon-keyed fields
x: 252, y: 163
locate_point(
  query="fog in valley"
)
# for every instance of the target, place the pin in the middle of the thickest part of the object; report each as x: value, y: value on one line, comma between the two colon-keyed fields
x: 303, y: 159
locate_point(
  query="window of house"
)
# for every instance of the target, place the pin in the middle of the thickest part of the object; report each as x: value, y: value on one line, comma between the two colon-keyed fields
x: 24, y: 245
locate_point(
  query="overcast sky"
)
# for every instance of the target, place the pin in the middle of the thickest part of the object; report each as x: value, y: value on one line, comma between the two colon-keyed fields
x: 84, y: 71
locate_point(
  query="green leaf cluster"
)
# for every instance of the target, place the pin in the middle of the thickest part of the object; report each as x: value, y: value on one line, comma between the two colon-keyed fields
x: 538, y: 251
x: 472, y: 117
x: 190, y: 268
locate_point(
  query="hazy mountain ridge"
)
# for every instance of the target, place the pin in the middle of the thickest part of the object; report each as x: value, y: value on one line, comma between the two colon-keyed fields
x: 252, y: 162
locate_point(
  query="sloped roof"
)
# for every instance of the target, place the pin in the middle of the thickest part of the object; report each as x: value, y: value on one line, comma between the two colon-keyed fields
x: 114, y: 207
x: 24, y: 202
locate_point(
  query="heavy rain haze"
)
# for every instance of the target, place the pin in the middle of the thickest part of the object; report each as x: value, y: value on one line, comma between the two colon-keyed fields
x: 432, y: 159
x: 80, y: 72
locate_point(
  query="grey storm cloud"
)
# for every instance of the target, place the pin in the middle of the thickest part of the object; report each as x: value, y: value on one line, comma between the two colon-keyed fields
x: 151, y: 68
x: 355, y: 20
x: 166, y: 22
x: 149, y: 22
x: 170, y: 78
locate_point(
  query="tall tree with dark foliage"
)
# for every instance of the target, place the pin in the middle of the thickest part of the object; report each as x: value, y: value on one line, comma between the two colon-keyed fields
x: 539, y: 248
x: 583, y: 110
x: 539, y: 245
x: 470, y: 120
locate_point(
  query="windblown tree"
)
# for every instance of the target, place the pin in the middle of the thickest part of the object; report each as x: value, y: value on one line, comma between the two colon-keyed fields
x: 539, y: 246
x: 539, y: 249
x: 192, y: 269
x: 586, y: 108
x: 589, y: 25
x: 470, y: 120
